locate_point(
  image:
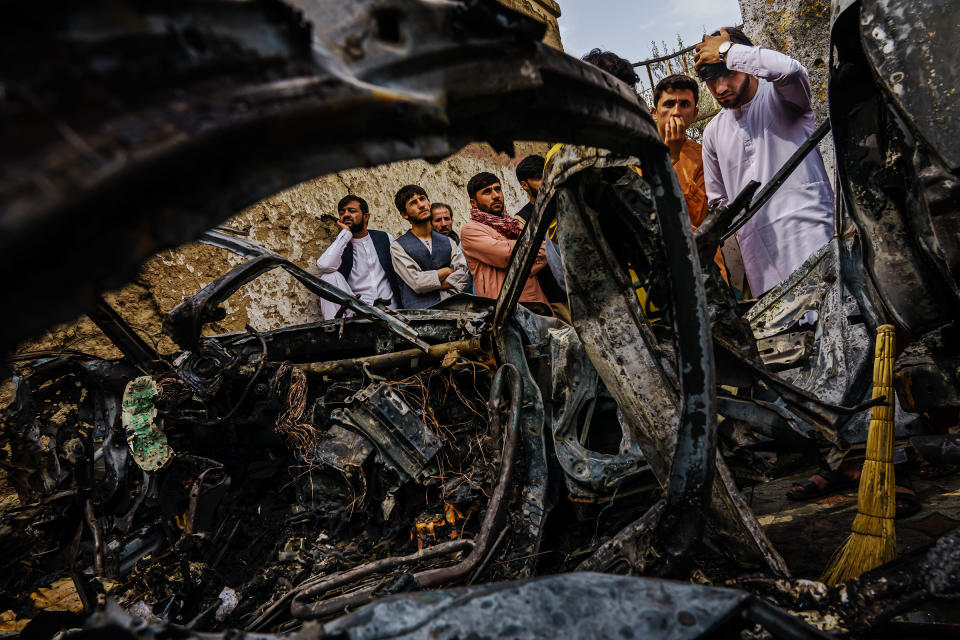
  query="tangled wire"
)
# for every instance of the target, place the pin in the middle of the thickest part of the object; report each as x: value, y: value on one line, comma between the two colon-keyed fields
x: 301, y: 436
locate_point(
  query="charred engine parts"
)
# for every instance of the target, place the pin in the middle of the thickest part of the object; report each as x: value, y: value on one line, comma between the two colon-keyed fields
x: 406, y: 444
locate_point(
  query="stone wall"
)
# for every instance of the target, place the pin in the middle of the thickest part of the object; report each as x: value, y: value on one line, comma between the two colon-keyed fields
x: 801, y: 29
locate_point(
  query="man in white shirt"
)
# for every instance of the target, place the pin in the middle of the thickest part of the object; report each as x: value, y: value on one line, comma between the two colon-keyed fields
x: 767, y: 114
x: 358, y: 261
x: 430, y: 266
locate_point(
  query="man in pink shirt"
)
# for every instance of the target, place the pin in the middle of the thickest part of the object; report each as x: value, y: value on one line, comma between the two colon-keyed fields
x: 488, y: 238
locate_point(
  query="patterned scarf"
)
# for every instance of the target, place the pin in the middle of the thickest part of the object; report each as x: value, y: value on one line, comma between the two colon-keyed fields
x: 504, y: 225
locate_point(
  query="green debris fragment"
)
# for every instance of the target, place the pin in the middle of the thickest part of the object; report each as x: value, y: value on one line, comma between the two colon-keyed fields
x: 146, y: 439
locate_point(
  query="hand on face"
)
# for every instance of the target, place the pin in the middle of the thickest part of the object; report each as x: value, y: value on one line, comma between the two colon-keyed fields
x: 676, y: 109
x: 674, y: 135
x: 674, y: 130
x: 707, y: 52
x: 351, y: 218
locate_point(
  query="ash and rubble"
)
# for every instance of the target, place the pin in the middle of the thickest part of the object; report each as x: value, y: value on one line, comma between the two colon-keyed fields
x: 472, y: 469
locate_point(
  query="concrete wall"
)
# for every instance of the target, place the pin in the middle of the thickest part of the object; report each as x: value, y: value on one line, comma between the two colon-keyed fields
x: 801, y: 29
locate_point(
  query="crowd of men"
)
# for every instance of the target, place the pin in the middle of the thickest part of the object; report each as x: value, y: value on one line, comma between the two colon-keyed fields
x: 766, y: 115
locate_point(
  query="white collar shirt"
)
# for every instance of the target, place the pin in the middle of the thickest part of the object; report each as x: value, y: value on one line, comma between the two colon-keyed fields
x: 367, y: 277
x: 752, y: 142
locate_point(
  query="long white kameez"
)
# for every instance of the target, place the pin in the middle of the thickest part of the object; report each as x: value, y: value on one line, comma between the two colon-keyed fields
x: 751, y: 143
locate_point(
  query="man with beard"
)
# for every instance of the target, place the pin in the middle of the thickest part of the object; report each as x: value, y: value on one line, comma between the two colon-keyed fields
x: 767, y: 114
x: 358, y: 261
x: 429, y: 265
x: 488, y: 238
x: 441, y: 218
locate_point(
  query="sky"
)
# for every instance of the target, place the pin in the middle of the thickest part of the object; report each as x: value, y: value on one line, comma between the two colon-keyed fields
x: 627, y: 27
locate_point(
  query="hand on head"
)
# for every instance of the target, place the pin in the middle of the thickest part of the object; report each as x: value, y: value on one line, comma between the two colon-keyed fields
x: 707, y: 52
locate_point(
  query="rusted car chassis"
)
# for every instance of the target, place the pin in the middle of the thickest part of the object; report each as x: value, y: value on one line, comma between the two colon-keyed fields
x: 322, y: 467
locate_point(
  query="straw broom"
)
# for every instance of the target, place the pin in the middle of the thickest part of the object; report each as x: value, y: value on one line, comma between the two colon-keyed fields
x: 874, y: 539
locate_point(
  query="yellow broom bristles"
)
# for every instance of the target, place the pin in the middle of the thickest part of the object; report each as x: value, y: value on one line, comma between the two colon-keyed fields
x: 874, y: 539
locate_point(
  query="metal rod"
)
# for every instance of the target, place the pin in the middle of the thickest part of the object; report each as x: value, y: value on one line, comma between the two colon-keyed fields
x: 121, y: 334
x: 320, y: 287
x: 780, y: 177
x: 408, y: 358
x: 671, y: 55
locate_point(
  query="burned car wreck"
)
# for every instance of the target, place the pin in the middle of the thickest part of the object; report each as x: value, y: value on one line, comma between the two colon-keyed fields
x: 408, y: 473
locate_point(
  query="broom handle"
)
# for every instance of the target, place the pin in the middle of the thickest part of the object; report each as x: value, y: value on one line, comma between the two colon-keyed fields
x: 880, y: 435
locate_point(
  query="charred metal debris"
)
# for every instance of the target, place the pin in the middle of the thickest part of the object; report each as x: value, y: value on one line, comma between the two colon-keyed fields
x: 275, y: 481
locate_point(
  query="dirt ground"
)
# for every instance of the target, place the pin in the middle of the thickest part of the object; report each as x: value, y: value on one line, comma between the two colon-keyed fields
x: 807, y: 533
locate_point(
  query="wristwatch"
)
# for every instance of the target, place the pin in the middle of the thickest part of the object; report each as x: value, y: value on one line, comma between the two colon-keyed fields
x: 723, y: 49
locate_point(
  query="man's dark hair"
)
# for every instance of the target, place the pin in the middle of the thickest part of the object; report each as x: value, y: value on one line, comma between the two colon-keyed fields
x: 676, y: 82
x: 406, y: 192
x: 480, y: 181
x: 737, y: 36
x: 719, y: 69
x: 530, y: 167
x: 441, y: 205
x: 345, y: 200
x: 614, y: 65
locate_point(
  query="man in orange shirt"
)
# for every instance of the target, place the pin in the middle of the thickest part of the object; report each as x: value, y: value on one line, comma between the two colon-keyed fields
x: 675, y: 109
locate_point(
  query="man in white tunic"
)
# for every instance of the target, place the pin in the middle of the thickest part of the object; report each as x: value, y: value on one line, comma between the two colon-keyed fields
x: 358, y: 261
x: 767, y: 114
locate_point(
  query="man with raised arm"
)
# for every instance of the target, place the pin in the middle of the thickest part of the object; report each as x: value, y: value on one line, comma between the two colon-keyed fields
x: 358, y: 261
x: 767, y: 114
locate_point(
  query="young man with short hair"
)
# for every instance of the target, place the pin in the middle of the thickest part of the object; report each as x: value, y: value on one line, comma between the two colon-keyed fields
x: 488, y: 238
x: 767, y: 114
x: 619, y: 68
x: 675, y: 108
x: 429, y: 266
x: 358, y: 260
x: 530, y: 176
x: 441, y: 217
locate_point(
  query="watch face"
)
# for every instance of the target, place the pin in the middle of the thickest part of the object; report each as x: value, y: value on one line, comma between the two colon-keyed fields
x: 724, y: 47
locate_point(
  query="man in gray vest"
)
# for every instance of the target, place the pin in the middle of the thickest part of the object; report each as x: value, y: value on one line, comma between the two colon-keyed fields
x: 429, y: 266
x: 358, y: 260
